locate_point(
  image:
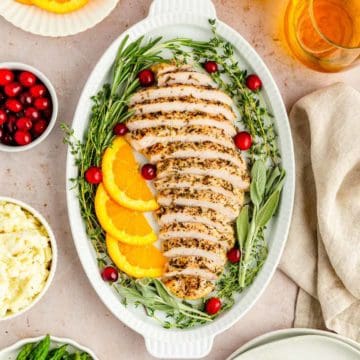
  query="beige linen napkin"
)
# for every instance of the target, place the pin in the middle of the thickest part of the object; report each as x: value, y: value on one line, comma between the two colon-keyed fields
x: 323, y: 251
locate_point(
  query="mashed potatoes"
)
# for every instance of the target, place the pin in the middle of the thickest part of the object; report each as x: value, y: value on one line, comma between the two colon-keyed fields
x: 25, y: 258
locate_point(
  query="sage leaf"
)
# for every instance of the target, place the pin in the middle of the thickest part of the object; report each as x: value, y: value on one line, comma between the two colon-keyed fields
x: 242, y: 226
x: 267, y: 211
x: 258, y: 182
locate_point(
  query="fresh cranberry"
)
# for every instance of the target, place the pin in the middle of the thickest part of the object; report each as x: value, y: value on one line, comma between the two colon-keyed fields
x: 32, y: 113
x: 13, y: 89
x: 26, y: 98
x: 42, y: 103
x: 24, y: 123
x: 22, y: 137
x: 2, y: 97
x: 148, y: 171
x: 38, y: 91
x: 120, y: 129
x: 39, y: 127
x: 3, y: 116
x: 211, y: 67
x: 7, y: 139
x: 213, y: 305
x: 11, y: 124
x: 27, y: 78
x: 13, y: 105
x: 146, y: 77
x: 234, y: 255
x: 243, y: 140
x: 253, y: 82
x: 93, y: 175
x: 6, y: 77
x: 110, y: 274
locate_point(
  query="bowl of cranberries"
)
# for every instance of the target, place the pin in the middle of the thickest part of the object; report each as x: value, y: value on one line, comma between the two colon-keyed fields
x: 28, y: 107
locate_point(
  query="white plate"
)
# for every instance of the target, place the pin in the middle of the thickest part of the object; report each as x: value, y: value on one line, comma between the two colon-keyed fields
x: 11, y: 352
x: 186, y: 18
x: 289, y: 333
x: 40, y: 22
x: 310, y: 347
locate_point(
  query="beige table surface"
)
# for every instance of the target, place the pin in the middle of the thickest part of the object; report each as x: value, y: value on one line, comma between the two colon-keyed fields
x: 71, y: 308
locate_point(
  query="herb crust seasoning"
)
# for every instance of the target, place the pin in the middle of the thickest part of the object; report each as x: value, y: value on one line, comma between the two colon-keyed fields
x: 209, y: 130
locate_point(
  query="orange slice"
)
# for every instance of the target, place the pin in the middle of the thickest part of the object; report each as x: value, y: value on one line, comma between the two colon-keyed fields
x: 128, y: 226
x: 60, y: 6
x: 136, y: 261
x: 122, y: 178
x: 26, y: 2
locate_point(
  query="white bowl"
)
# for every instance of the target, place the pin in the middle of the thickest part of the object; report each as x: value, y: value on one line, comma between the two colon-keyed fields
x: 54, y: 99
x: 51, y: 235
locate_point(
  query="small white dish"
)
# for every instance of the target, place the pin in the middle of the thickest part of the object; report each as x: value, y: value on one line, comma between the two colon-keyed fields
x: 11, y: 352
x: 54, y: 99
x: 53, y: 245
x: 41, y: 22
x: 310, y: 347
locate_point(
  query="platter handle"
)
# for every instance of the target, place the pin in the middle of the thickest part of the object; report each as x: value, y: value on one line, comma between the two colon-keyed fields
x: 178, y: 349
x: 197, y: 7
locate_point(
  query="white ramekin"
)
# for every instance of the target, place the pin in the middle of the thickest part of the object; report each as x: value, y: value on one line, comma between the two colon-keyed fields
x: 51, y: 235
x: 55, y: 105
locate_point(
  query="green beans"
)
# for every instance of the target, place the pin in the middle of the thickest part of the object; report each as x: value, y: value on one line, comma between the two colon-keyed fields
x: 42, y: 351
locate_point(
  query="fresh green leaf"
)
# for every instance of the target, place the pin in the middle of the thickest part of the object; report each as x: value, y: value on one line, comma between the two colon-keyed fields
x: 242, y: 226
x: 258, y: 182
x: 268, y: 210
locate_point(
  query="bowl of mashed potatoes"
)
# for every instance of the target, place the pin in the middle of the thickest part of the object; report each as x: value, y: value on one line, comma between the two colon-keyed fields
x: 28, y: 257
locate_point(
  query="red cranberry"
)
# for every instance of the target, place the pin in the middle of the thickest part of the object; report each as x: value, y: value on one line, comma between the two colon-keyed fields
x: 211, y: 67
x: 11, y: 124
x: 234, y: 255
x: 243, y: 140
x: 253, y: 82
x: 13, y: 89
x: 148, y: 171
x: 13, y: 105
x: 213, y: 305
x: 22, y: 137
x: 3, y: 116
x: 93, y: 175
x: 146, y: 77
x: 110, y: 274
x: 27, y: 78
x: 42, y: 103
x: 6, y: 77
x: 24, y: 123
x: 120, y: 129
x: 2, y: 97
x: 38, y: 91
x: 39, y: 127
x: 7, y: 139
x: 26, y: 98
x: 32, y: 113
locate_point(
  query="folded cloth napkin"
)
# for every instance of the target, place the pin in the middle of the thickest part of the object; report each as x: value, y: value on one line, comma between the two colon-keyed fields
x: 323, y: 251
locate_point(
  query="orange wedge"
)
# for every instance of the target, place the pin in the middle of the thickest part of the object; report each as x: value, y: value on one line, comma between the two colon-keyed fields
x: 136, y: 261
x: 128, y: 226
x: 60, y: 6
x: 122, y: 178
x: 26, y: 2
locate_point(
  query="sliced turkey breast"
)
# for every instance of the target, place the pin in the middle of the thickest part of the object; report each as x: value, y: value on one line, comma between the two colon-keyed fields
x: 197, y: 231
x: 200, y: 150
x: 164, y: 68
x: 222, y: 169
x: 180, y: 119
x: 185, y: 77
x: 200, y: 182
x: 189, y: 287
x: 202, y: 198
x: 181, y: 91
x: 202, y: 273
x: 188, y: 103
x: 201, y: 215
x: 141, y: 139
x: 192, y: 262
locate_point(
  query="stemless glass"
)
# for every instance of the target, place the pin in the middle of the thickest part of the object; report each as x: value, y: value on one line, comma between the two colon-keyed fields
x: 324, y: 34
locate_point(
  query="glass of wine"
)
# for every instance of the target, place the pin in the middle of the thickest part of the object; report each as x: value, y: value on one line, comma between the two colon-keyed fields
x: 324, y: 34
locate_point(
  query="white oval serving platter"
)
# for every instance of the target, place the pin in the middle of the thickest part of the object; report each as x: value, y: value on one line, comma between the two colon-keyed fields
x: 12, y: 351
x: 170, y: 19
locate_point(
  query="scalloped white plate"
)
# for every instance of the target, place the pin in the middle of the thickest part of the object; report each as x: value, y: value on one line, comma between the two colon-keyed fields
x: 11, y: 352
x: 186, y: 18
x: 40, y: 22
